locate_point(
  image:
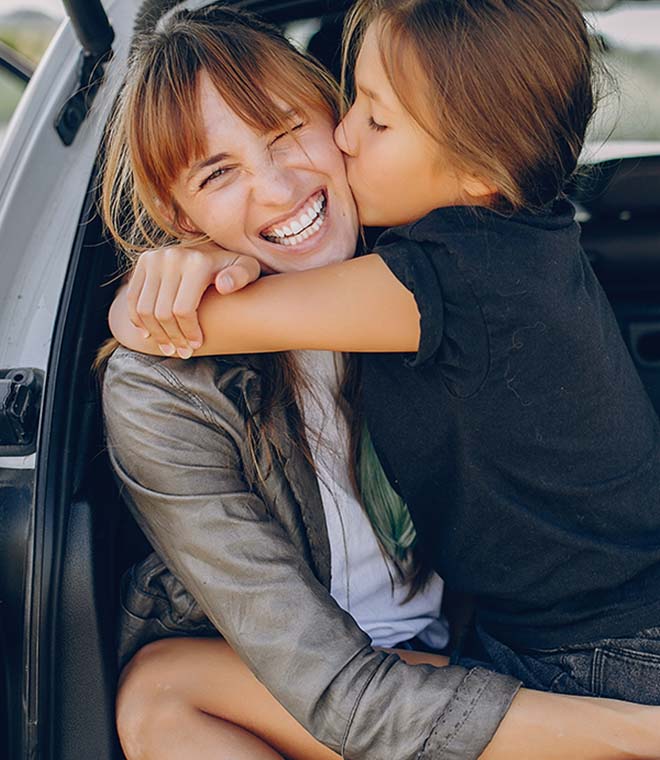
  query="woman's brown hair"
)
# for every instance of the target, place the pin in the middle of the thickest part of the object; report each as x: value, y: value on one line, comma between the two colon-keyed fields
x: 505, y: 86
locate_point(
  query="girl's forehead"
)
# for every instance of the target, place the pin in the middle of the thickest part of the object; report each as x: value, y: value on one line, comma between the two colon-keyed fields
x: 388, y: 71
x: 370, y: 75
x: 372, y: 79
x: 369, y: 56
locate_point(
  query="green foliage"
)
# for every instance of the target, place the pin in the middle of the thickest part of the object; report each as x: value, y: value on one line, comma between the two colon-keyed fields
x: 30, y: 42
x: 10, y: 92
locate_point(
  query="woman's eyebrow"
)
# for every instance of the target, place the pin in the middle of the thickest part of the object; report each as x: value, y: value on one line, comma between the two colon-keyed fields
x: 204, y: 163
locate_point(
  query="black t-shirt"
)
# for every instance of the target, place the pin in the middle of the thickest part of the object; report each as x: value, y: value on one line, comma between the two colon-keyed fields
x: 520, y: 434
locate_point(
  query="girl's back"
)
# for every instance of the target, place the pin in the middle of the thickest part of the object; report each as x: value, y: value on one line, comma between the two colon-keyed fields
x: 520, y: 434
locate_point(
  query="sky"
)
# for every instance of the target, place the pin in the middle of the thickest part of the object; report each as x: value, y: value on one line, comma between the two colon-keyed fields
x: 52, y: 7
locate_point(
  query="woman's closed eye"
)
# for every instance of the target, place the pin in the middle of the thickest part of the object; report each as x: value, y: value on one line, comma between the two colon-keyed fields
x: 279, y: 137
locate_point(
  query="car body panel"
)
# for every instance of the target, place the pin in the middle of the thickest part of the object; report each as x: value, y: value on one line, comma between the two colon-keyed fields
x: 37, y: 226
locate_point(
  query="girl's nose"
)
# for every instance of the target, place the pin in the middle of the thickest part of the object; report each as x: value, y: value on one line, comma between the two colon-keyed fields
x: 343, y: 138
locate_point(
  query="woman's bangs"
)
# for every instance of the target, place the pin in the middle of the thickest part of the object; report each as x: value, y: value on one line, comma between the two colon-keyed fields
x: 167, y: 133
x: 274, y: 89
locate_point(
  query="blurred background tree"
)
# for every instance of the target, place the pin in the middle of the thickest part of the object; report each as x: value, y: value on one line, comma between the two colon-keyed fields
x: 26, y: 26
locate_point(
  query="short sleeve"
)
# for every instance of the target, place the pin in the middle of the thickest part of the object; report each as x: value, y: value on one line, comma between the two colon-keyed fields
x: 454, y: 337
x: 411, y: 264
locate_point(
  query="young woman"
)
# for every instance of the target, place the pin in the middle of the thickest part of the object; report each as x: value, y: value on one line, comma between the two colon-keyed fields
x: 238, y: 469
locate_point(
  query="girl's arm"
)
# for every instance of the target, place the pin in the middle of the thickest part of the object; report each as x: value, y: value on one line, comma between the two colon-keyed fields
x: 167, y: 284
x: 358, y: 305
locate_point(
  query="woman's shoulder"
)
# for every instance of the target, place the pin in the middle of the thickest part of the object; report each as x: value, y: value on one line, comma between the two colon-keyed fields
x: 214, y: 388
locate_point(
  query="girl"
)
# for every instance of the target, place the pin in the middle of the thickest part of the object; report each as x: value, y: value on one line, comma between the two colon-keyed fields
x: 508, y: 413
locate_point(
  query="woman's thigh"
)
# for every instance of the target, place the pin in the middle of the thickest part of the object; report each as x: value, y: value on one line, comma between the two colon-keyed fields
x: 208, y: 675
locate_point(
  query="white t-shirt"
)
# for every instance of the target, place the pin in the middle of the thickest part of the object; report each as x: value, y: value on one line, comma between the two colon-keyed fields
x: 363, y: 581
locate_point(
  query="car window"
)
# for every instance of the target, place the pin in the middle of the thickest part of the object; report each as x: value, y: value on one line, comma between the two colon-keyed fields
x: 25, y: 32
x: 627, y: 121
x: 11, y: 89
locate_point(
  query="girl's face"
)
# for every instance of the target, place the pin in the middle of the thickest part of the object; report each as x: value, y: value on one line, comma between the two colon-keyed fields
x: 284, y: 200
x: 397, y: 172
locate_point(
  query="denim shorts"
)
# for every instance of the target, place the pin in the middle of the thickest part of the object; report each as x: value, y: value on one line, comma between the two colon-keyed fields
x: 619, y: 668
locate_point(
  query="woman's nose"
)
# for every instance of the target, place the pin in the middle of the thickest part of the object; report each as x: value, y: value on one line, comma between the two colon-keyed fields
x: 274, y: 185
x: 343, y: 138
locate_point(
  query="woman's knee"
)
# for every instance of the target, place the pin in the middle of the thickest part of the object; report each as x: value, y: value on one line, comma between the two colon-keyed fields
x: 150, y: 702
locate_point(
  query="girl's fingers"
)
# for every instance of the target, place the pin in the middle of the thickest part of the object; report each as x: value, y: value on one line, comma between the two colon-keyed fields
x: 241, y: 272
x: 192, y: 288
x: 165, y: 290
x: 146, y: 309
x: 164, y: 313
x: 133, y: 292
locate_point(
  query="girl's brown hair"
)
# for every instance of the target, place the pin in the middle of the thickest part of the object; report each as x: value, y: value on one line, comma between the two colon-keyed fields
x: 507, y: 84
x: 154, y: 133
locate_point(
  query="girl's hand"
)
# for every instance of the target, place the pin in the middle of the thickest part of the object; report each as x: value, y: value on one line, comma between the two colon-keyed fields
x: 167, y: 285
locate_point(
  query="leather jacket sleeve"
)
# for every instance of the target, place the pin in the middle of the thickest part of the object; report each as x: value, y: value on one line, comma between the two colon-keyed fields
x: 176, y: 450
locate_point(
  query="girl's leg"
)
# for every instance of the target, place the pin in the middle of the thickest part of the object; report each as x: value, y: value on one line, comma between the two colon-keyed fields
x: 194, y: 698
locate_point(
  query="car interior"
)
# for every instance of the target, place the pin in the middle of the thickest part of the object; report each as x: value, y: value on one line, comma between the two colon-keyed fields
x: 97, y: 538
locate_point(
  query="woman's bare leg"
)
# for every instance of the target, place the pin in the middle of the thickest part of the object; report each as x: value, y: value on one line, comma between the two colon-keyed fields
x: 194, y: 699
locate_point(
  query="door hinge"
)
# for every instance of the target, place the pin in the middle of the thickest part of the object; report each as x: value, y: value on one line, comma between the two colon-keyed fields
x: 20, y: 400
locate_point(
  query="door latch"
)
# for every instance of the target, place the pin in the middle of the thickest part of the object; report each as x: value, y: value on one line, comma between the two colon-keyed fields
x: 20, y: 399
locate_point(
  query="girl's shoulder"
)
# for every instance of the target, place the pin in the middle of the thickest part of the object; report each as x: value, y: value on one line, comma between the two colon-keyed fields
x: 449, y: 223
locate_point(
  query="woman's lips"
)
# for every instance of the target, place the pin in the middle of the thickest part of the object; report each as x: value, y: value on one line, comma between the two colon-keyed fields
x: 304, y: 224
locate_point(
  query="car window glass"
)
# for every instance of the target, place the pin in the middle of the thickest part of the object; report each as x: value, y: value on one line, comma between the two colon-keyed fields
x: 11, y: 89
x: 627, y: 121
x: 26, y: 29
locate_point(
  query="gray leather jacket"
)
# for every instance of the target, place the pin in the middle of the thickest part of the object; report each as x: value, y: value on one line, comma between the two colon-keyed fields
x: 254, y: 557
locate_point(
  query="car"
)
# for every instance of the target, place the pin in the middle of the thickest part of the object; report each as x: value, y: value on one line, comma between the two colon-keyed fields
x: 65, y: 536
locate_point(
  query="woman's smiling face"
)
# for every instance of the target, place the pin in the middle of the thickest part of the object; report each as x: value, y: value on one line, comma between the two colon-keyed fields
x: 280, y: 197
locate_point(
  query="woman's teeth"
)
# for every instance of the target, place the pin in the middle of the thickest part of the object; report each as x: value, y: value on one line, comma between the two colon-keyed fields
x: 299, y: 228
